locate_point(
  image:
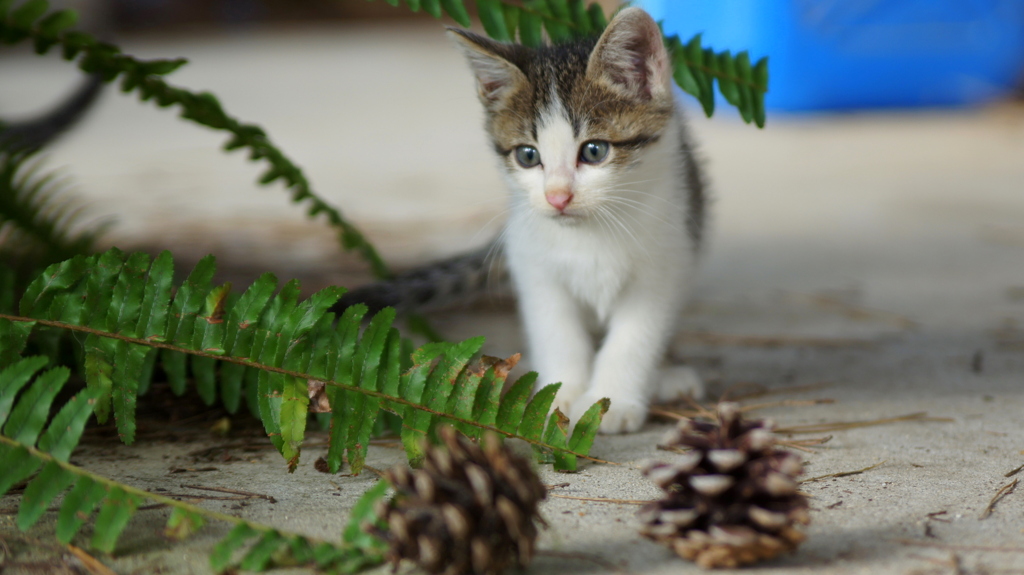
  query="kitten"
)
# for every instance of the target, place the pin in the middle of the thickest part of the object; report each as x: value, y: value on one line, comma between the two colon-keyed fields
x: 606, y: 212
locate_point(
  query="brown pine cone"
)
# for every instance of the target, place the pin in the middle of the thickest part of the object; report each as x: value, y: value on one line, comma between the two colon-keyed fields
x: 468, y: 510
x: 732, y: 499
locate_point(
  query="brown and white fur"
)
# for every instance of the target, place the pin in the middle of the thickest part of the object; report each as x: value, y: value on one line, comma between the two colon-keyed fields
x: 605, y: 224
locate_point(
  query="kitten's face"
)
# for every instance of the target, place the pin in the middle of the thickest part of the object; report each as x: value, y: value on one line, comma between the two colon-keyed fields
x: 571, y: 121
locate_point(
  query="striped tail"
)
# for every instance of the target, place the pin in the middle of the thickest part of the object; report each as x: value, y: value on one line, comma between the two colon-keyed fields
x: 458, y: 280
x: 30, y: 135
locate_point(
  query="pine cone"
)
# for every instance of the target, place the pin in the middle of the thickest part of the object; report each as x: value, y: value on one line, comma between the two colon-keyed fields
x: 732, y: 499
x: 468, y: 510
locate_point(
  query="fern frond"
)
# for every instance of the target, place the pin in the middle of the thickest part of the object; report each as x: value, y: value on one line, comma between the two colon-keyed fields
x: 28, y: 445
x: 123, y: 305
x: 695, y: 67
x: 32, y: 21
x: 37, y: 214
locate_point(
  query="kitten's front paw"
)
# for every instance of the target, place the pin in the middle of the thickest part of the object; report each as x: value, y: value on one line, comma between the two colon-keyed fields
x: 624, y: 415
x: 680, y: 381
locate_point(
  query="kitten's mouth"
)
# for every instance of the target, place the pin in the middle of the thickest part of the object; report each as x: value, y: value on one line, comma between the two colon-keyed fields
x: 567, y: 218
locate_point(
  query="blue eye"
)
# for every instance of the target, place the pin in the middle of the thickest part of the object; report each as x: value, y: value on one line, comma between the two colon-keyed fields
x: 594, y: 151
x: 527, y: 156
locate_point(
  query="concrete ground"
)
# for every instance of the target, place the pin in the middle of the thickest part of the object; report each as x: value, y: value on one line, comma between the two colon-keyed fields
x: 874, y: 262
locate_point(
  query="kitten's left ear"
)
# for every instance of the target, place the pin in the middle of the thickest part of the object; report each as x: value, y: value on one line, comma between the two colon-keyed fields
x: 496, y: 75
x: 630, y: 56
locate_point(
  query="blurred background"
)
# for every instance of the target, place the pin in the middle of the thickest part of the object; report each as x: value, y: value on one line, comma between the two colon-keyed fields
x: 889, y: 176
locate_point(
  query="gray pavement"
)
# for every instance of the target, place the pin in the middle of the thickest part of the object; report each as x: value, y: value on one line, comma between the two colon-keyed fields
x: 876, y: 258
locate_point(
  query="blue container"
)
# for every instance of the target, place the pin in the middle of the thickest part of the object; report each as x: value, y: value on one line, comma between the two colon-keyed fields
x: 850, y: 54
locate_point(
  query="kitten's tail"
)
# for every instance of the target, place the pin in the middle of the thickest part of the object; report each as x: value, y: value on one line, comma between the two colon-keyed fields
x: 33, y: 134
x: 457, y: 280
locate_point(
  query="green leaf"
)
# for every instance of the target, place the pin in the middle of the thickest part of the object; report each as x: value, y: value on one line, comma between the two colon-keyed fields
x: 174, y: 364
x: 462, y: 399
x: 511, y: 20
x: 300, y: 552
x: 77, y: 506
x: 761, y: 73
x: 441, y: 382
x: 58, y: 277
x: 557, y: 31
x: 26, y: 14
x: 559, y: 9
x: 244, y: 315
x: 580, y: 18
x: 13, y: 379
x: 57, y: 22
x: 113, y: 517
x: 726, y: 84
x: 432, y: 7
x: 182, y: 523
x: 492, y: 16
x: 488, y: 398
x: 513, y: 405
x: 364, y: 410
x: 100, y: 288
x: 13, y: 337
x: 99, y: 371
x: 532, y: 424
x: 586, y: 428
x: 188, y: 301
x: 17, y: 464
x: 597, y: 18
x: 28, y: 416
x: 221, y: 557
x: 204, y: 370
x: 457, y: 11
x: 126, y: 299
x: 685, y: 78
x: 129, y: 361
x: 555, y: 436
x: 348, y: 330
x: 362, y: 512
x: 64, y: 431
x: 530, y: 29
x: 50, y: 482
x: 293, y: 417
x: 152, y: 322
x: 258, y: 558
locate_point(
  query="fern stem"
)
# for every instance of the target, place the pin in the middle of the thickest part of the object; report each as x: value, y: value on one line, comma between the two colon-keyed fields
x: 161, y: 499
x: 296, y: 374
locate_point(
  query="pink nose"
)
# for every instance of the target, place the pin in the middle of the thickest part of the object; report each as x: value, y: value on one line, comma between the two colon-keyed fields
x: 559, y: 201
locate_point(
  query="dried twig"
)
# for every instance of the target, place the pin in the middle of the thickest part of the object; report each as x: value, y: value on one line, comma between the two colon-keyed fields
x: 769, y: 341
x: 953, y: 547
x: 583, y: 557
x: 803, y: 444
x: 761, y: 390
x: 842, y: 425
x: 673, y: 414
x: 841, y: 473
x: 1014, y: 471
x: 1003, y: 492
x: 247, y: 494
x: 854, y: 311
x: 786, y: 403
x: 374, y: 470
x: 90, y: 563
x: 602, y: 499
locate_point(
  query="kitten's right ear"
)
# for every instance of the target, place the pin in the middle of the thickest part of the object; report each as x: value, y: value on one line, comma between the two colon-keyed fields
x: 496, y: 76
